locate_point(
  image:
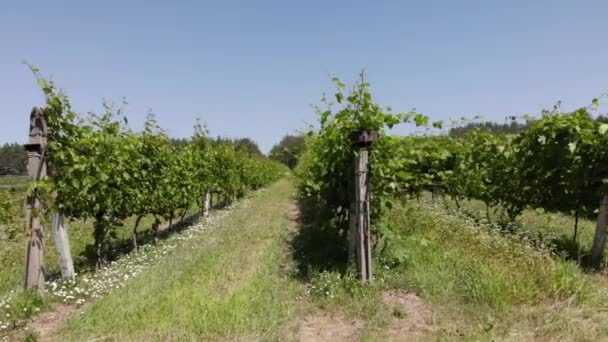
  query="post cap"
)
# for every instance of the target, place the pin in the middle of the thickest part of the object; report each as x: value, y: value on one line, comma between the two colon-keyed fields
x: 364, y: 138
x: 33, y: 147
x: 38, y: 127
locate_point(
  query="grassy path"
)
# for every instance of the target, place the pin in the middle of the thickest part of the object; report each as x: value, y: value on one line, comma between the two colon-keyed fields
x: 229, y: 282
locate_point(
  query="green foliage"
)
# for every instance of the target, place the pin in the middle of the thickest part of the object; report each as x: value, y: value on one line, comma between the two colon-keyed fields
x: 562, y: 162
x: 107, y: 172
x: 325, y: 172
x: 6, y: 206
x: 11, y: 205
x: 556, y: 162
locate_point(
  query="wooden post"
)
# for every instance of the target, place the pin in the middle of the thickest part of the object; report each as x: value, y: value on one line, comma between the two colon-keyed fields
x: 362, y: 235
x: 352, y: 233
x: 207, y: 204
x: 36, y: 168
x: 62, y: 243
x: 599, y: 240
x: 433, y: 193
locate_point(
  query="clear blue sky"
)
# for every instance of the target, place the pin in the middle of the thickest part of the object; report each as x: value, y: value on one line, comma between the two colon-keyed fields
x: 253, y: 68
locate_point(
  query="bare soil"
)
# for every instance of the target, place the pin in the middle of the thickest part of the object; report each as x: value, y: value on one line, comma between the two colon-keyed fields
x: 326, y: 327
x: 47, y: 324
x: 412, y: 317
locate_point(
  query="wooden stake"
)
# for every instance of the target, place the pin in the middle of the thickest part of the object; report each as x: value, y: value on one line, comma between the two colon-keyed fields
x: 37, y: 168
x: 207, y: 204
x: 62, y: 243
x: 599, y: 240
x: 352, y: 233
x: 362, y: 141
x: 362, y: 244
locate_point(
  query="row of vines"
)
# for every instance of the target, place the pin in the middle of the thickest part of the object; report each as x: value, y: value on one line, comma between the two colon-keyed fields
x: 559, y: 164
x: 104, y: 171
x: 11, y: 203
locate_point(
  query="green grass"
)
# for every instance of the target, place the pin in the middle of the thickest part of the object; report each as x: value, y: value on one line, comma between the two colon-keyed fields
x: 479, y: 265
x: 481, y: 284
x: 553, y: 228
x: 17, y: 305
x: 16, y: 181
x: 239, y: 281
x: 230, y: 282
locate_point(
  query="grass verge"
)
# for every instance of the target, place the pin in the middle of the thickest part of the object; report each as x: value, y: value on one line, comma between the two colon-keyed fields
x: 240, y: 281
x: 480, y: 284
x: 228, y: 282
x: 546, y: 228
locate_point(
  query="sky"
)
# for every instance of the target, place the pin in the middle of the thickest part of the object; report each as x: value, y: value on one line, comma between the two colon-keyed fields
x: 255, y: 68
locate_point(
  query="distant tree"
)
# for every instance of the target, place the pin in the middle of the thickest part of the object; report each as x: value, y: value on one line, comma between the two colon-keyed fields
x: 180, y: 142
x: 603, y: 118
x: 243, y: 144
x: 248, y: 145
x: 492, y: 127
x: 511, y: 127
x: 288, y: 150
x: 13, y: 159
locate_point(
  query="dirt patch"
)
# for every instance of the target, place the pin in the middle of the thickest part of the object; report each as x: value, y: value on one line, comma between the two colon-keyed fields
x: 412, y: 317
x: 212, y: 242
x: 326, y: 327
x: 46, y: 325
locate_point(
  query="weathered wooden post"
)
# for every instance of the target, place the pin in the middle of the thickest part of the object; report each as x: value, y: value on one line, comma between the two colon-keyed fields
x: 352, y: 232
x: 362, y: 142
x: 62, y: 243
x: 36, y: 168
x: 207, y: 204
x: 599, y: 241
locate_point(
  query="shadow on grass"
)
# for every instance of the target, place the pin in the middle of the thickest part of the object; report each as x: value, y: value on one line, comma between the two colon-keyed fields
x: 319, y: 244
x: 571, y: 250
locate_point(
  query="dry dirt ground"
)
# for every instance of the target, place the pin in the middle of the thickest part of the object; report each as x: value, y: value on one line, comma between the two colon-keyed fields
x: 48, y: 323
x: 411, y: 316
x: 326, y: 327
x: 412, y: 320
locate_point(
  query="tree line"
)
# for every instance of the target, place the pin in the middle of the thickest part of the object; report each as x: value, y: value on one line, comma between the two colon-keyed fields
x: 13, y: 159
